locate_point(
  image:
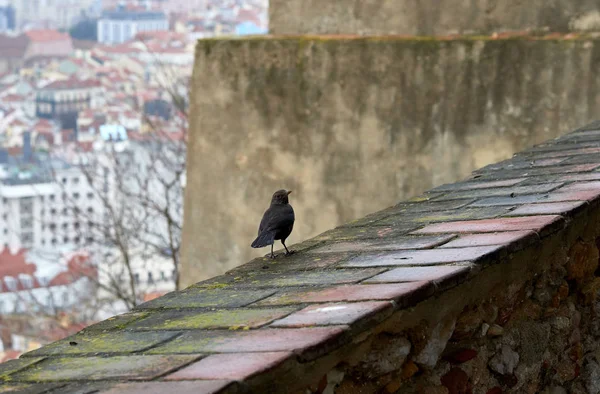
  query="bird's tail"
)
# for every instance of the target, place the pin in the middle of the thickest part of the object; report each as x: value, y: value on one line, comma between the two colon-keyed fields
x: 265, y: 238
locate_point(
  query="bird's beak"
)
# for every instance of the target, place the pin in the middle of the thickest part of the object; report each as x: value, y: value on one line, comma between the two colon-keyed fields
x: 289, y: 192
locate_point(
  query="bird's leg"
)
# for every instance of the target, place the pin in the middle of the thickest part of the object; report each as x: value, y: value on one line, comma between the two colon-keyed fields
x: 287, y: 252
x: 272, y: 254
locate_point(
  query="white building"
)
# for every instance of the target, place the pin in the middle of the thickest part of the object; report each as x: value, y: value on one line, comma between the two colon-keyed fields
x: 37, y: 204
x: 58, y: 207
x: 61, y: 13
x: 120, y: 25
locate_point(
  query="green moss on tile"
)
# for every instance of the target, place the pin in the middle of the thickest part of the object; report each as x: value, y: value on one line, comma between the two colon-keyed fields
x: 100, y: 343
x: 103, y: 368
x: 212, y: 319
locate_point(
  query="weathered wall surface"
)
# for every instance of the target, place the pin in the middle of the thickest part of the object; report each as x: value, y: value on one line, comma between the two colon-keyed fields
x: 430, y: 17
x: 532, y: 329
x: 354, y: 125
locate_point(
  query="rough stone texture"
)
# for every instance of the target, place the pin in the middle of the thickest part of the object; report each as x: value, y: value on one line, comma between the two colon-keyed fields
x: 355, y: 124
x: 430, y: 17
x: 498, y: 305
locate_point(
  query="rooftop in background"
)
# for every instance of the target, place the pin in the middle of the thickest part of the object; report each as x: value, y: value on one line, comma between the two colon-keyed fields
x: 46, y: 35
x: 72, y: 84
x: 133, y: 13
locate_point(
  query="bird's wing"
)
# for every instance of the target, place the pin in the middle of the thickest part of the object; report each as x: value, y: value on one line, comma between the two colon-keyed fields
x: 280, y: 217
x: 267, y: 217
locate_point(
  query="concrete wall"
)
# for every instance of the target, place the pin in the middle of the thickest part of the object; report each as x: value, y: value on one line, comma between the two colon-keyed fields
x: 430, y: 17
x: 355, y: 125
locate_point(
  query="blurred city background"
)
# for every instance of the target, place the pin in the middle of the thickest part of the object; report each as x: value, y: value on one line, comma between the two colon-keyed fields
x: 93, y: 127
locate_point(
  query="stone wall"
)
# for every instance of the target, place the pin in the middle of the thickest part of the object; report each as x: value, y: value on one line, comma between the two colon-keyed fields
x: 352, y: 125
x: 489, y: 285
x: 530, y: 326
x: 430, y: 17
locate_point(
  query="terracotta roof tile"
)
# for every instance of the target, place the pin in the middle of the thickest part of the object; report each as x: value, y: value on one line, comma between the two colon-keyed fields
x: 46, y: 35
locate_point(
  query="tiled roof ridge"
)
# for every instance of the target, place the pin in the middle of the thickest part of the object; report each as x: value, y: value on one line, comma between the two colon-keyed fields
x: 268, y: 319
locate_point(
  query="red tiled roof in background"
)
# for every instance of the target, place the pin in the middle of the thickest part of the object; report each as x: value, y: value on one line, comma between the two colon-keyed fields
x: 46, y: 35
x: 11, y: 98
x: 153, y: 295
x: 15, y: 264
x: 86, y: 146
x: 9, y: 355
x: 45, y: 123
x: 73, y: 83
x: 13, y: 47
x: 162, y: 35
x: 248, y: 16
x: 14, y: 151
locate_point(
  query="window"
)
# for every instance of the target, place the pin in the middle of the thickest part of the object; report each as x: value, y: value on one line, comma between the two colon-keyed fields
x: 43, y: 242
x: 105, y: 32
x: 64, y: 196
x: 127, y: 34
x: 116, y: 32
x: 76, y: 196
x: 65, y: 211
x: 65, y: 298
x: 64, y: 181
x: 162, y: 275
x: 27, y: 282
x: 136, y: 278
x: 76, y: 180
x: 90, y: 210
x: 90, y: 195
x: 76, y: 225
x: 26, y: 205
x: 65, y: 226
x: 27, y: 239
x: 52, y: 197
x: 76, y: 240
x: 150, y: 279
x: 89, y: 240
x: 66, y: 240
x: 26, y: 222
x: 54, y: 242
x: 5, y: 231
x: 53, y: 211
x: 11, y: 283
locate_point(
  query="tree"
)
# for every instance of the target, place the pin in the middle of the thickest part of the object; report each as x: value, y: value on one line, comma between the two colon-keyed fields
x: 137, y: 188
x: 86, y: 29
x: 135, y: 181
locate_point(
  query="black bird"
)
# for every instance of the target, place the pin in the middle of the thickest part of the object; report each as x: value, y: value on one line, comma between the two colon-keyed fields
x: 277, y: 222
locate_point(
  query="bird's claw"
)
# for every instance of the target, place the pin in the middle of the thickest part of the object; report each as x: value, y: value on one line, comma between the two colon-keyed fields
x: 291, y: 252
x: 272, y: 256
